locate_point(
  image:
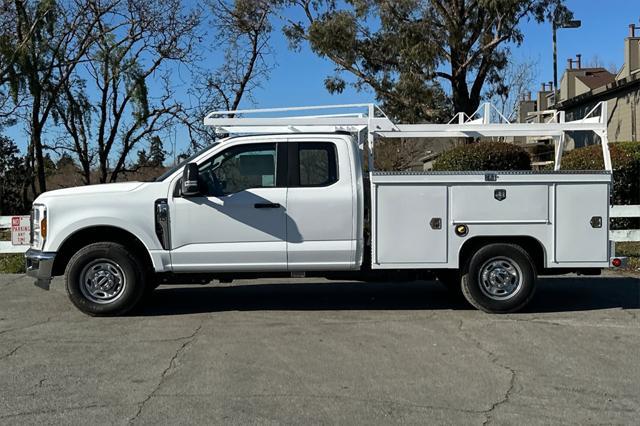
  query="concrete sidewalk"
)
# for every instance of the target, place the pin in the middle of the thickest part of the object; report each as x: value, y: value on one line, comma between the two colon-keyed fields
x: 312, y: 351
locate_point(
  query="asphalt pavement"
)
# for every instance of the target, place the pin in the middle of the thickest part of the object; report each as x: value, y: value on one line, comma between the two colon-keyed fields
x: 318, y: 352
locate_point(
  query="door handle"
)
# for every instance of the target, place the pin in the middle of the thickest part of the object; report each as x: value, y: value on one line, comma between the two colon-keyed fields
x: 266, y: 205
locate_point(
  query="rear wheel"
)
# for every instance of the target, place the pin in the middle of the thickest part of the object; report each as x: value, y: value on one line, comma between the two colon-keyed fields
x: 500, y: 278
x: 105, y: 279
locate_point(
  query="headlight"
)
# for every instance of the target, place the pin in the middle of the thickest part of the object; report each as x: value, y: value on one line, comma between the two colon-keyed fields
x: 38, y: 226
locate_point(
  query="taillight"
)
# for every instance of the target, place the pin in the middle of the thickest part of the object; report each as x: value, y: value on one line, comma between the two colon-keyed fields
x: 616, y: 262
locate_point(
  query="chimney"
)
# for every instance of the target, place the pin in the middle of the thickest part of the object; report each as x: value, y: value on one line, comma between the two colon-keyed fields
x: 631, y: 52
x: 577, y: 62
x: 525, y: 106
x: 542, y: 102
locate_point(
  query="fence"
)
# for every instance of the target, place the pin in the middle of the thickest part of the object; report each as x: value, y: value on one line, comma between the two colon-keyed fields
x: 623, y: 235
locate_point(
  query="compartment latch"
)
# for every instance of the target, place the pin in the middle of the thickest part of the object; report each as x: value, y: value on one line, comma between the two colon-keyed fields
x: 436, y: 223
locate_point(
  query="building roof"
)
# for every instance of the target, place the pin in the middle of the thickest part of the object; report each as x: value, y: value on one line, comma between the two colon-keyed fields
x: 601, y: 93
x: 596, y: 77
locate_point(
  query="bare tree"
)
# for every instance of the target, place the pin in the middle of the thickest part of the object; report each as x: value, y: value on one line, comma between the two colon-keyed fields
x: 244, y: 29
x: 138, y: 43
x: 597, y: 62
x: 515, y: 80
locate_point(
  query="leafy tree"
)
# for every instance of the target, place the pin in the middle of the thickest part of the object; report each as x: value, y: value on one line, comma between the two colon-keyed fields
x: 65, y: 161
x: 404, y: 50
x: 143, y: 159
x: 41, y: 44
x: 13, y: 186
x: 49, y: 165
x: 156, y: 152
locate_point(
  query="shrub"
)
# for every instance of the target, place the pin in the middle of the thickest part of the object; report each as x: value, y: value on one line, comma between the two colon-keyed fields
x: 12, y: 264
x: 625, y: 159
x: 484, y: 156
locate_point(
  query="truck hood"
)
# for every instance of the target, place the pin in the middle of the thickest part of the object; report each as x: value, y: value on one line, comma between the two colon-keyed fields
x: 105, y: 188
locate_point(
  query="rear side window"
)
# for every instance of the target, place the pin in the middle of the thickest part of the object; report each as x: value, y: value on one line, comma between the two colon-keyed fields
x: 318, y: 165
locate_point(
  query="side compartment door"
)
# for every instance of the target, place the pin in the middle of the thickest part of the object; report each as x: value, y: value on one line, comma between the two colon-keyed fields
x: 411, y: 224
x: 237, y: 223
x: 320, y: 207
x: 582, y: 222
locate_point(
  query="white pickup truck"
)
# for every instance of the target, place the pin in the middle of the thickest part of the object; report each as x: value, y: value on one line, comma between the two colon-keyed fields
x: 290, y: 198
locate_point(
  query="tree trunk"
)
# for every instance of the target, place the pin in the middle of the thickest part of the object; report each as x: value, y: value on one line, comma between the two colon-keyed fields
x: 40, y: 169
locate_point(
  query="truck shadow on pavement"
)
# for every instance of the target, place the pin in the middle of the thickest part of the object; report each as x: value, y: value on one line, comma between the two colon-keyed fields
x: 553, y: 295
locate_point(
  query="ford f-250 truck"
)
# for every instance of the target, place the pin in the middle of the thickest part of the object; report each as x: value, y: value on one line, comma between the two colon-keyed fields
x: 290, y: 197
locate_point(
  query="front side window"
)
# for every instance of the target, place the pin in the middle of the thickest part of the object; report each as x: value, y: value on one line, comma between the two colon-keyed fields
x: 239, y: 168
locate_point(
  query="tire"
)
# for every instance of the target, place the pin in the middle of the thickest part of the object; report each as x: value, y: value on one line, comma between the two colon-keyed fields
x: 499, y: 278
x: 105, y: 279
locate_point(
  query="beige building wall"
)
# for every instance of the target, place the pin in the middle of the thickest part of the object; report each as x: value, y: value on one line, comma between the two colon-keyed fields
x: 623, y: 117
x: 623, y: 122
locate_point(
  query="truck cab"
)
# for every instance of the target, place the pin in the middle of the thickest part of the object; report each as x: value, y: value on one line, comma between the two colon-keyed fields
x: 260, y: 204
x: 269, y: 203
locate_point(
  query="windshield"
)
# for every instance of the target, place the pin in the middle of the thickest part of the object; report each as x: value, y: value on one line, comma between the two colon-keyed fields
x: 173, y: 169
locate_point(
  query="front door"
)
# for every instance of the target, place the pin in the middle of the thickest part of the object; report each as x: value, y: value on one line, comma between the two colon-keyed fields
x: 238, y: 222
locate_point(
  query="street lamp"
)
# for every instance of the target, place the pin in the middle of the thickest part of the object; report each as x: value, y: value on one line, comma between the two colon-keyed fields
x: 556, y: 25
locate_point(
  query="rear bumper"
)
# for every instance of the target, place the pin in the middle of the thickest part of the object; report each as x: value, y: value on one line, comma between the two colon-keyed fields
x: 39, y: 265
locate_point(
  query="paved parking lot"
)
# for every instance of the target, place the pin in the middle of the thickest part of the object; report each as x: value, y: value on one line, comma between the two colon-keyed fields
x: 280, y: 351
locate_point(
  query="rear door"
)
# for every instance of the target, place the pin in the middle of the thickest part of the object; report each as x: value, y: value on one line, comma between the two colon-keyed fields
x: 320, y: 206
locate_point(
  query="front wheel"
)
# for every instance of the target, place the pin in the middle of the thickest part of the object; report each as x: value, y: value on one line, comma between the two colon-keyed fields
x: 500, y: 278
x: 104, y: 279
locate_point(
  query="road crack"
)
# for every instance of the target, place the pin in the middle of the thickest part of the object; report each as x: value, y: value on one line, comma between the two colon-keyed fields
x: 35, y: 324
x: 167, y: 371
x: 12, y: 352
x: 55, y: 410
x: 494, y: 359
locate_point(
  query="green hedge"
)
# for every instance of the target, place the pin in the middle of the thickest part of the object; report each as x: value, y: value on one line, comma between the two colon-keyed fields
x: 625, y: 158
x: 484, y: 156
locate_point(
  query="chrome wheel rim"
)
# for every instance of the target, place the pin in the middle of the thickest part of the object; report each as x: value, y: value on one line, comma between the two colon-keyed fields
x: 102, y: 281
x: 500, y: 278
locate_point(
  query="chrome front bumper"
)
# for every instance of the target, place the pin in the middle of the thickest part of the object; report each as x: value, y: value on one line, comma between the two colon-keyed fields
x: 39, y: 266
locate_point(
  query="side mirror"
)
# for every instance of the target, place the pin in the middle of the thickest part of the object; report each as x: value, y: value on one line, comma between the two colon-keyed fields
x: 190, y: 185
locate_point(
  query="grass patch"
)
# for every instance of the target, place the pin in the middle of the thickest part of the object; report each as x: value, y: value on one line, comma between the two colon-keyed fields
x: 632, y: 251
x: 628, y: 249
x: 12, y: 264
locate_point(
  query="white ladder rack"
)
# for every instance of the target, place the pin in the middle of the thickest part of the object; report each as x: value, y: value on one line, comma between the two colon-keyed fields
x: 369, y: 118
